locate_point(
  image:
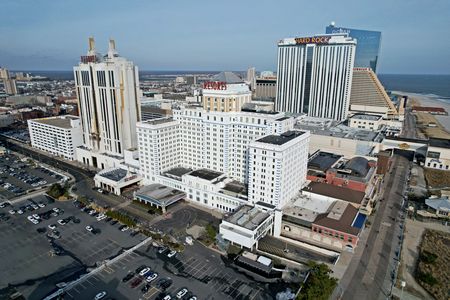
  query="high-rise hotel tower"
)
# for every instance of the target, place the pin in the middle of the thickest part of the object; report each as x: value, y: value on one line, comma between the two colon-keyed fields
x: 314, y: 75
x: 108, y: 98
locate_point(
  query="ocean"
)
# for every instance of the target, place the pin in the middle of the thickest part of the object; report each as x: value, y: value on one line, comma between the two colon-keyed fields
x: 435, y: 86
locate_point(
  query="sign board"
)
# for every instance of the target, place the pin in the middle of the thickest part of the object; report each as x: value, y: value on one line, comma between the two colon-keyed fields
x: 312, y: 40
x: 88, y: 58
x: 215, y: 85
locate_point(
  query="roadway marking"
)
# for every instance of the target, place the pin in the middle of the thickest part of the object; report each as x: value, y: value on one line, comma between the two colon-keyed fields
x: 255, y: 294
x: 151, y: 292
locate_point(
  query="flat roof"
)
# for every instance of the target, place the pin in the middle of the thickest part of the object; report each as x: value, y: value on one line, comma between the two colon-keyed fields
x: 323, y: 160
x: 366, y: 117
x: 440, y: 143
x: 60, y: 121
x: 158, y: 121
x: 336, y: 192
x: 114, y: 175
x: 249, y: 217
x: 206, y: 174
x: 159, y: 194
x: 178, y: 171
x: 281, y: 139
x: 236, y: 187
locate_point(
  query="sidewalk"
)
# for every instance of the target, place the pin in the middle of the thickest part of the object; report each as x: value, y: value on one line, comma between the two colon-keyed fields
x: 405, y: 296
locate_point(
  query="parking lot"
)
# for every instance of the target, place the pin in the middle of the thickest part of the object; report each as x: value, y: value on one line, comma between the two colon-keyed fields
x: 34, y: 258
x: 17, y: 177
x: 199, y: 270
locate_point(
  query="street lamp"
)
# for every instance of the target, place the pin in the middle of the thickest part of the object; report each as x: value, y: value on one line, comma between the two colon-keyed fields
x: 402, y: 284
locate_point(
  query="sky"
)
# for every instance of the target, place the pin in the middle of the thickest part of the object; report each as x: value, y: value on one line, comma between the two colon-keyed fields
x: 216, y: 35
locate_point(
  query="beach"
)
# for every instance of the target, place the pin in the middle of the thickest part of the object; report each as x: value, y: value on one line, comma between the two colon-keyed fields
x: 430, y: 100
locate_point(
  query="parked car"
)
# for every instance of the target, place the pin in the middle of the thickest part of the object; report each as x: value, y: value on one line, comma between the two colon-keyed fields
x: 89, y: 228
x: 128, y: 277
x: 172, y: 253
x: 136, y: 282
x: 144, y: 271
x: 62, y: 222
x: 151, y: 277
x: 100, y: 295
x: 181, y: 293
x: 52, y: 226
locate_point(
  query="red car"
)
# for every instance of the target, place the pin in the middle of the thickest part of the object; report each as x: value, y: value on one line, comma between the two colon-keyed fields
x: 136, y: 282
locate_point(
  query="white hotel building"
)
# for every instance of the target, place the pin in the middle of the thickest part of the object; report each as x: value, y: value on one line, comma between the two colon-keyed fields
x: 108, y: 98
x: 182, y: 151
x: 59, y: 136
x: 314, y: 75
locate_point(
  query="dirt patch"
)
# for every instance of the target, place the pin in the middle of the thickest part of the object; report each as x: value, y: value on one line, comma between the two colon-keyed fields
x: 432, y: 269
x: 437, y: 178
x: 429, y: 126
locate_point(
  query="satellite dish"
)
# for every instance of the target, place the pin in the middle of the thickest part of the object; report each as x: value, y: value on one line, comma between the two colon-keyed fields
x: 333, y: 23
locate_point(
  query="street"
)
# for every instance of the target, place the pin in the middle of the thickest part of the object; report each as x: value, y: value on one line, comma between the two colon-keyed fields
x: 370, y: 275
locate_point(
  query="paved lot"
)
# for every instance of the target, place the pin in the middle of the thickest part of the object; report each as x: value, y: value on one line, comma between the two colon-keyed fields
x: 28, y: 260
x: 11, y: 172
x: 200, y: 270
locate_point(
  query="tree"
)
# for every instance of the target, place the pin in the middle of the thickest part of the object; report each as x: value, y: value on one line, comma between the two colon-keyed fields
x: 319, y: 285
x: 56, y: 191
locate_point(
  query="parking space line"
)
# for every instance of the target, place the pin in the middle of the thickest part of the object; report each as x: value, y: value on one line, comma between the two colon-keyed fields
x: 70, y: 295
x: 151, y: 292
x: 202, y: 270
x: 255, y: 294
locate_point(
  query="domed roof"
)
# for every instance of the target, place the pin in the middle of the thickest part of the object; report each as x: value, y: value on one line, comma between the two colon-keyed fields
x: 228, y: 77
x: 359, y: 165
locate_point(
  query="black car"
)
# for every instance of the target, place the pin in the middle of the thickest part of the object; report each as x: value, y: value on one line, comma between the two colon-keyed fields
x: 75, y: 220
x: 41, y: 230
x: 139, y: 269
x: 113, y: 222
x: 108, y: 219
x: 145, y: 288
x: 166, y: 284
x: 128, y: 277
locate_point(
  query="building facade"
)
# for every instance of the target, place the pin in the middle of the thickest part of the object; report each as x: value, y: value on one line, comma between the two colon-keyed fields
x: 314, y: 75
x: 197, y: 139
x: 59, y: 136
x: 108, y: 98
x: 368, y: 48
x: 277, y: 167
x: 225, y: 92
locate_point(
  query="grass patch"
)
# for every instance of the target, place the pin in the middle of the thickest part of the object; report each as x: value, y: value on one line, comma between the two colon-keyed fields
x: 437, y: 178
x: 432, y: 270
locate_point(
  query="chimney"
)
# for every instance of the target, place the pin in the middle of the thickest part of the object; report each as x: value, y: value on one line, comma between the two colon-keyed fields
x: 91, y: 44
x: 112, y: 49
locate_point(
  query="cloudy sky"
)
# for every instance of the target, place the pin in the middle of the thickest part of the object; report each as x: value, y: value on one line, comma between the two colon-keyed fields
x: 216, y: 35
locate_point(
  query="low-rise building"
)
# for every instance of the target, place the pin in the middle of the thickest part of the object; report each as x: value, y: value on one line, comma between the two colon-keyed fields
x: 439, y: 206
x: 116, y: 180
x: 323, y: 191
x: 59, y: 136
x: 324, y: 222
x: 365, y: 121
x: 246, y: 226
x: 438, y: 154
x: 430, y: 110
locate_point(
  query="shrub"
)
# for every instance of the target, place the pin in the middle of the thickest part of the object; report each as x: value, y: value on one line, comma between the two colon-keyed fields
x: 320, y: 284
x: 122, y: 218
x: 427, y: 278
x: 428, y: 257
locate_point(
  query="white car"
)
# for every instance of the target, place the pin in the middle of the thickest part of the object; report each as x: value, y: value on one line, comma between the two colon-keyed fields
x: 12, y: 212
x: 36, y: 216
x: 41, y: 205
x: 52, y: 226
x: 193, y: 298
x: 151, y: 277
x: 92, y: 211
x: 35, y: 222
x: 89, y: 228
x: 172, y: 253
x: 30, y: 218
x: 100, y: 295
x: 101, y: 217
x: 167, y: 297
x: 56, y: 210
x: 181, y: 293
x: 144, y: 271
x: 20, y: 212
x: 124, y: 229
x: 62, y: 222
x: 34, y: 206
